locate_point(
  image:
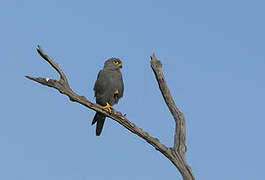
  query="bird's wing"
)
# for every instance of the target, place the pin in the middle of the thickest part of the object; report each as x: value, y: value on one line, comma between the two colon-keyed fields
x: 99, y: 84
x: 120, y: 87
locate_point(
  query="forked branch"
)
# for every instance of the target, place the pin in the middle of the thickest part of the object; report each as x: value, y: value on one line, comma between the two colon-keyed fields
x: 176, y: 154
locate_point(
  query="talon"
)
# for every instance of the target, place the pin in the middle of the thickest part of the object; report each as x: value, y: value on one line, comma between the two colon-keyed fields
x: 108, y: 107
x: 116, y: 92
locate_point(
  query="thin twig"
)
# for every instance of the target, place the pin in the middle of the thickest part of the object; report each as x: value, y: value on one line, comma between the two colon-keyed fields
x: 53, y: 64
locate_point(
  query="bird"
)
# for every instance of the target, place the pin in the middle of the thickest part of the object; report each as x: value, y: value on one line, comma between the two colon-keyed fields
x: 108, y: 89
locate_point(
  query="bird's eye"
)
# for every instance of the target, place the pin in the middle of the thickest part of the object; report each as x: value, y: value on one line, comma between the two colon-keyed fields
x: 116, y: 62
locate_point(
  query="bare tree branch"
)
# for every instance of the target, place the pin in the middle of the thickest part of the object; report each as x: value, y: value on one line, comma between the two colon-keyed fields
x: 54, y: 65
x: 176, y: 154
x: 179, y: 147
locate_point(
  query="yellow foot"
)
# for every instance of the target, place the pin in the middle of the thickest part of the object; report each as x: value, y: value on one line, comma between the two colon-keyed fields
x: 116, y: 92
x: 107, y: 107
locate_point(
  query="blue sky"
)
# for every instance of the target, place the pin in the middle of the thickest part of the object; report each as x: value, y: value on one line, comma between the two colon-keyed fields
x: 213, y: 59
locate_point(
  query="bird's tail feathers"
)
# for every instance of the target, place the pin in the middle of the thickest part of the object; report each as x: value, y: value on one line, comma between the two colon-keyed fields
x: 100, y: 119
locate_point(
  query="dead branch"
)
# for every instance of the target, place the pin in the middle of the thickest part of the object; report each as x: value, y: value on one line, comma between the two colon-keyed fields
x: 179, y: 147
x: 176, y: 154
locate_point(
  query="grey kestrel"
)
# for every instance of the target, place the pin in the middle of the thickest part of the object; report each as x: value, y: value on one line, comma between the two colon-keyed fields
x: 108, y: 89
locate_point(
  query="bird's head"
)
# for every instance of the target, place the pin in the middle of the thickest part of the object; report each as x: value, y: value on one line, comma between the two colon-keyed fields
x: 113, y: 63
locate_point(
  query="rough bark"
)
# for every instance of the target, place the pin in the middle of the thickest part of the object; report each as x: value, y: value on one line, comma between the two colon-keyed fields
x: 175, y: 154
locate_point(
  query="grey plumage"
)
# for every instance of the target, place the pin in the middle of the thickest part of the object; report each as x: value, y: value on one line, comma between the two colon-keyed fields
x: 108, y: 89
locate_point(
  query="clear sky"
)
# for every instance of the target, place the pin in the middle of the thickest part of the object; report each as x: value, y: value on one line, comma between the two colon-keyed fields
x: 214, y: 63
